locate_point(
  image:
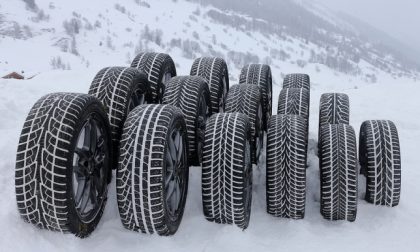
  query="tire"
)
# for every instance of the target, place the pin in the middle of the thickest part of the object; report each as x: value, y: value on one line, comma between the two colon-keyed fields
x: 150, y: 135
x: 54, y: 162
x: 338, y: 162
x: 159, y: 69
x: 260, y: 74
x: 297, y: 81
x: 215, y: 72
x: 247, y: 99
x: 334, y: 108
x: 227, y: 170
x: 286, y: 166
x: 294, y: 101
x: 191, y: 94
x: 380, y: 159
x: 120, y: 89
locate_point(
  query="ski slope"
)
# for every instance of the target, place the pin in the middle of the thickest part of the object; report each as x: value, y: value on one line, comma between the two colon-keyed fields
x: 376, y: 228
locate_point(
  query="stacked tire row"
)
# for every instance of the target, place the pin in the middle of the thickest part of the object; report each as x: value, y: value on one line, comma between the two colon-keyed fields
x: 150, y: 125
x: 337, y: 158
x: 71, y: 142
x: 379, y: 157
x: 287, y: 141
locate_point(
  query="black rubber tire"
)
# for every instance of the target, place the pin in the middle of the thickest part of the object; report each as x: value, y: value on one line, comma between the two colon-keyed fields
x: 44, y: 163
x: 215, y: 72
x: 294, y: 101
x: 142, y: 170
x: 286, y: 166
x: 227, y: 170
x: 334, y: 108
x: 159, y: 68
x: 115, y: 87
x: 338, y: 164
x: 380, y: 161
x: 186, y: 93
x: 247, y: 99
x: 297, y: 80
x: 260, y: 74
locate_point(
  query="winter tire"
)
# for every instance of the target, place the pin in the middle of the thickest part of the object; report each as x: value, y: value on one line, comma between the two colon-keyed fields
x: 286, y: 166
x: 380, y: 161
x: 294, y: 101
x: 152, y: 175
x: 334, y: 108
x: 120, y: 89
x: 260, y: 74
x: 338, y: 162
x: 215, y: 72
x: 297, y: 81
x: 247, y: 99
x: 63, y: 163
x: 227, y: 170
x: 159, y: 69
x: 191, y: 94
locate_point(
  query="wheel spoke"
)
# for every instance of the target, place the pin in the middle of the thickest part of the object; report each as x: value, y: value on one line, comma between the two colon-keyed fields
x: 97, y: 182
x: 81, y: 153
x: 80, y: 171
x: 94, y: 192
x: 85, y: 196
x: 88, y: 131
x: 172, y: 149
x: 169, y: 178
x: 176, y: 196
x: 180, y: 149
x: 80, y: 190
x: 170, y: 191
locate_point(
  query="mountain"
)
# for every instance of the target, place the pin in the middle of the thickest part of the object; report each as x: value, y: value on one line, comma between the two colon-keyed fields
x: 291, y: 36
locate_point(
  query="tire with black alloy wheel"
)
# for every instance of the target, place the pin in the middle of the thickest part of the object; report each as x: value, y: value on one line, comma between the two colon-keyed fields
x: 159, y: 69
x: 260, y: 74
x: 338, y: 164
x: 120, y: 89
x: 380, y: 161
x: 152, y: 174
x: 247, y: 99
x: 286, y: 166
x: 191, y: 94
x: 63, y: 163
x: 294, y: 101
x: 215, y: 72
x: 227, y: 170
x: 297, y: 80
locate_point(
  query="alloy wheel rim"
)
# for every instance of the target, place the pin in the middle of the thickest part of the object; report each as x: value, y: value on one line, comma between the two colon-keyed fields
x: 88, y: 176
x: 270, y: 98
x: 204, y: 113
x: 174, y: 180
x: 260, y: 132
x: 137, y: 98
x: 224, y: 94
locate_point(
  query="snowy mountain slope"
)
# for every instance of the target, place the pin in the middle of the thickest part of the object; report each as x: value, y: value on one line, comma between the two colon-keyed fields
x: 93, y: 34
x: 376, y: 228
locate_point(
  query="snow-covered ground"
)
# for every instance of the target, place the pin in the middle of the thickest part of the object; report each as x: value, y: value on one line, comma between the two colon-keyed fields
x: 376, y: 228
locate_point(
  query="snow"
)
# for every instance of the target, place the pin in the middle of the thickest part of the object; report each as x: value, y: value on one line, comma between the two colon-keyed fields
x: 376, y: 228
